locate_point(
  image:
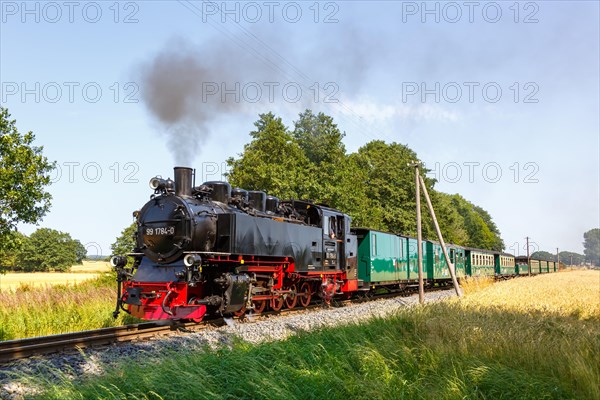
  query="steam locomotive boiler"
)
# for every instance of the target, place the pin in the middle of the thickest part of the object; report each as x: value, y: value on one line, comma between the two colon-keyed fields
x: 217, y: 250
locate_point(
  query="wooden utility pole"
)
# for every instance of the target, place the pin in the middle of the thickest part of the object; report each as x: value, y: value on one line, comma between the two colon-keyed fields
x: 528, y: 262
x: 419, y: 235
x: 439, y: 234
x: 557, y: 259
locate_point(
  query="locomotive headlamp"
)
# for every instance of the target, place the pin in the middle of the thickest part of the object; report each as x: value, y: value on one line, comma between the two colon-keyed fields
x: 158, y: 183
x: 191, y: 260
x: 118, y: 261
x: 155, y: 183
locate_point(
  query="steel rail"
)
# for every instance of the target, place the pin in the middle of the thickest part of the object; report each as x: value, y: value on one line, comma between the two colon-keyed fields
x: 11, y: 350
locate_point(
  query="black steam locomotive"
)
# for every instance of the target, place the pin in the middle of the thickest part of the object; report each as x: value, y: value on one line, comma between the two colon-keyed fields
x: 217, y: 250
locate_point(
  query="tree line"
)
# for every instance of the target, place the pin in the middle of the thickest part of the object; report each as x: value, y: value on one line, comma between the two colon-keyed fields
x: 374, y: 185
x: 44, y: 250
x: 591, y: 251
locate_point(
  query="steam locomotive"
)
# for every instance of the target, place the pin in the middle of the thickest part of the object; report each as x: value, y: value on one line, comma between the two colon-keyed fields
x: 211, y: 249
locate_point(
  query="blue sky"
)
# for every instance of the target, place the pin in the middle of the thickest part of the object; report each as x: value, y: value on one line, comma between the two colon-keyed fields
x: 500, y: 99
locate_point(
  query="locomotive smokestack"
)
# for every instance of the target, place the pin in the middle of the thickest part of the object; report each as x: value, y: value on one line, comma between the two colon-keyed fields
x: 183, y: 181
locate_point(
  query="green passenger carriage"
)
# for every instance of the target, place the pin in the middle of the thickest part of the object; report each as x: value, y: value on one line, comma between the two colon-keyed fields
x: 386, y: 259
x: 480, y: 263
x: 505, y: 264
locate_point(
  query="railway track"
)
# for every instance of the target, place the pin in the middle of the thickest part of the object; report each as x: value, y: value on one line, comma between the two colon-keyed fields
x: 12, y: 350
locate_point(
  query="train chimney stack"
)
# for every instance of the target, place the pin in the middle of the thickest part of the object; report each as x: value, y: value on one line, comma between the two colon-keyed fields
x: 183, y: 181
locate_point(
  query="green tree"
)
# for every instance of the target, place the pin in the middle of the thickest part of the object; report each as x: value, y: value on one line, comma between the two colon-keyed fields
x: 571, y: 258
x: 476, y: 220
x: 319, y: 138
x: 452, y: 223
x: 543, y: 255
x: 80, y: 251
x: 9, y: 251
x: 591, y: 246
x: 24, y: 174
x: 272, y: 162
x: 390, y: 185
x: 497, y: 243
x: 46, y: 250
x: 321, y: 141
x: 125, y: 242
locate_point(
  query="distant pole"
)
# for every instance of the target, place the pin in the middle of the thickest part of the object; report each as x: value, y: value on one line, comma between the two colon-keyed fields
x: 439, y: 234
x: 557, y: 259
x: 571, y: 262
x: 528, y: 262
x: 419, y: 235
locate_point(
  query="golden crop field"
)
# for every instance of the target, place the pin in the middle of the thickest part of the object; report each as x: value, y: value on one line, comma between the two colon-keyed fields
x: 567, y: 294
x: 79, y: 273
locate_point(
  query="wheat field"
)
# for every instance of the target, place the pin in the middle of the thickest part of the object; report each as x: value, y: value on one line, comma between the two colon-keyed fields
x: 26, y: 280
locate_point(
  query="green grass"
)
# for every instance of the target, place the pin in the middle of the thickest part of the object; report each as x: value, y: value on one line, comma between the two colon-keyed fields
x: 460, y: 349
x: 32, y: 311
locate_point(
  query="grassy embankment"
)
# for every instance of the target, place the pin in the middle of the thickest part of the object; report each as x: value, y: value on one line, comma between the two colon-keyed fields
x: 529, y: 338
x: 36, y: 304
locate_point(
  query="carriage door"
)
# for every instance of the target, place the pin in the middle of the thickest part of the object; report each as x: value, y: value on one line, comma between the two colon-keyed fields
x: 341, y: 241
x: 330, y: 242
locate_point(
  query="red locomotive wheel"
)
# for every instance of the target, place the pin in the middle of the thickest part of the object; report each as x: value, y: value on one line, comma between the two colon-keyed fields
x: 291, y: 299
x: 305, y: 294
x: 259, y: 306
x: 277, y: 303
x: 241, y: 312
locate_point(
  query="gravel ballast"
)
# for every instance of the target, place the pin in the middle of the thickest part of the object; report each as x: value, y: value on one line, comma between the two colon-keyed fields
x: 258, y: 330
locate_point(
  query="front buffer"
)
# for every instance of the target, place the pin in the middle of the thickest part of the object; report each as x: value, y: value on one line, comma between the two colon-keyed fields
x: 161, y: 300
